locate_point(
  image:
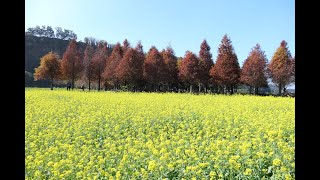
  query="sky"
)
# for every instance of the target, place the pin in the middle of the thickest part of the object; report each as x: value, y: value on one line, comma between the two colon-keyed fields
x: 182, y: 24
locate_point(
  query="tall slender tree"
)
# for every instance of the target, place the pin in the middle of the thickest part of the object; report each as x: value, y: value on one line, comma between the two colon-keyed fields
x: 130, y: 69
x: 254, y: 70
x: 280, y: 67
x: 137, y: 66
x: 125, y: 46
x: 88, y: 64
x: 49, y: 68
x: 226, y: 71
x: 123, y: 70
x: 171, y: 68
x: 99, y: 62
x: 72, y: 64
x: 293, y: 70
x: 111, y: 65
x: 206, y: 63
x: 154, y: 68
x: 189, y: 69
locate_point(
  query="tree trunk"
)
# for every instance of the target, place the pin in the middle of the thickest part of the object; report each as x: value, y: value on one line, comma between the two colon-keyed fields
x: 51, y: 83
x: 73, y: 75
x: 99, y: 79
x: 72, y: 82
x: 280, y: 87
x: 89, y: 83
x: 191, y: 88
x: 231, y: 89
x: 199, y: 87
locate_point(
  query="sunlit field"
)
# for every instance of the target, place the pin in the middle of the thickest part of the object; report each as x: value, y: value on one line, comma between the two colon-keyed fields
x: 118, y: 135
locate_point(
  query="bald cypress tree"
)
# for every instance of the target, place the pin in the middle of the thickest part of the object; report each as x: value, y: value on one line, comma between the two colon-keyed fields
x: 189, y: 69
x: 205, y: 65
x: 154, y: 68
x: 280, y: 67
x: 88, y: 64
x: 254, y: 70
x: 171, y: 69
x: 71, y: 64
x: 112, y: 64
x: 226, y: 71
x: 99, y: 62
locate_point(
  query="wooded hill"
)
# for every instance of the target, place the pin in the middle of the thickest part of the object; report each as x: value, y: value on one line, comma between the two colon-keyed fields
x: 35, y: 48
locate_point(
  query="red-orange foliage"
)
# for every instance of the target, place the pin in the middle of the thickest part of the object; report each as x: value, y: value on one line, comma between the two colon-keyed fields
x: 206, y: 63
x: 49, y: 68
x: 280, y: 67
x: 293, y: 70
x: 226, y: 71
x: 137, y: 65
x: 112, y: 63
x: 72, y: 64
x: 99, y: 62
x: 130, y: 69
x: 88, y: 64
x: 189, y: 69
x: 154, y: 67
x: 125, y: 46
x: 171, y: 68
x: 254, y: 70
x: 140, y: 63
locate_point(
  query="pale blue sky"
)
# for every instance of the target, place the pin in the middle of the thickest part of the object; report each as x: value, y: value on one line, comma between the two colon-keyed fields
x: 181, y: 23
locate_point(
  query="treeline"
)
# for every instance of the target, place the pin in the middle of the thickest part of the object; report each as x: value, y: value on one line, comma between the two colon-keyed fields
x: 47, y: 31
x: 130, y: 68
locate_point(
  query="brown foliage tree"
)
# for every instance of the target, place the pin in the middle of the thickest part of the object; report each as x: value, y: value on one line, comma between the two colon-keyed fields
x: 99, y: 63
x: 293, y: 70
x: 226, y: 71
x: 171, y: 66
x: 125, y: 46
x: 72, y: 64
x: 205, y: 65
x: 112, y: 63
x: 154, y: 68
x: 189, y: 69
x: 130, y: 69
x: 88, y: 64
x: 254, y: 70
x: 49, y: 68
x: 280, y: 67
x: 137, y: 66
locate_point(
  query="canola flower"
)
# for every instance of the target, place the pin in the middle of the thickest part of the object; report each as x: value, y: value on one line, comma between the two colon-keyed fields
x: 107, y: 135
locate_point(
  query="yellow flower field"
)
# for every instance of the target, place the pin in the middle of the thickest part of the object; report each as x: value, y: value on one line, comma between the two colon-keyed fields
x: 108, y: 135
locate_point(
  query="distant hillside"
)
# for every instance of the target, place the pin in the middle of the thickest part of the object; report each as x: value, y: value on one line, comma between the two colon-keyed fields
x: 35, y: 48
